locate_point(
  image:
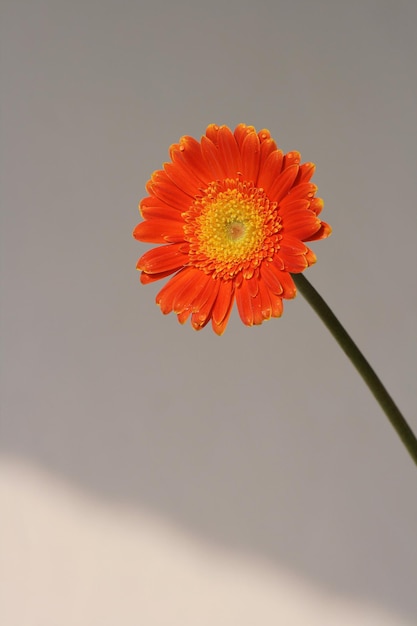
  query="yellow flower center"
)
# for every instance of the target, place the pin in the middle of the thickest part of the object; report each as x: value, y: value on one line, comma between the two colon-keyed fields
x: 232, y: 227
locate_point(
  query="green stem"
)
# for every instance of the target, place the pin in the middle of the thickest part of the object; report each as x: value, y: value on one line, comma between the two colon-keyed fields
x: 355, y: 355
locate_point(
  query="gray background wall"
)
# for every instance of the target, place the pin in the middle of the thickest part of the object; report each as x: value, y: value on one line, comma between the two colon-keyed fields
x: 263, y: 442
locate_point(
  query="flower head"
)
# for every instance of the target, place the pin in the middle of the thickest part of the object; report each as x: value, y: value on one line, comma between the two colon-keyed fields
x: 232, y: 213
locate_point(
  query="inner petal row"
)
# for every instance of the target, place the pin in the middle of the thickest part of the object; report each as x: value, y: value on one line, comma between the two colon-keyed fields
x: 231, y: 227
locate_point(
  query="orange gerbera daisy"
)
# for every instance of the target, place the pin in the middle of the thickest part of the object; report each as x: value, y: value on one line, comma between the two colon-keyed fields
x: 232, y: 212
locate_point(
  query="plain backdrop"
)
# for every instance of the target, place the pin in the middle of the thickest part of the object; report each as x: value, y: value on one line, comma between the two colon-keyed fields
x: 151, y: 474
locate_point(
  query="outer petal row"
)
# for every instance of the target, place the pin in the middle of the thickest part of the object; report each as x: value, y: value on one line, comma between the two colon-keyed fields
x: 159, y: 231
x: 192, y: 292
x: 257, y: 304
x: 164, y: 259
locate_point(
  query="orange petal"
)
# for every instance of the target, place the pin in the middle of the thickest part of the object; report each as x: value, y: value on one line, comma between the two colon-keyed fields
x: 276, y: 305
x: 316, y: 205
x: 183, y: 178
x: 241, y: 132
x: 288, y: 285
x: 145, y: 278
x: 189, y: 152
x: 323, y: 232
x: 265, y: 136
x: 295, y: 264
x: 161, y: 212
x: 159, y: 231
x: 277, y: 262
x: 303, y: 191
x: 268, y: 146
x: 212, y: 132
x: 305, y: 172
x: 269, y: 170
x: 204, y: 296
x: 271, y: 277
x: 208, y: 297
x: 252, y: 285
x: 211, y: 158
x: 290, y: 207
x: 292, y: 158
x: 238, y: 279
x: 197, y: 323
x: 164, y: 189
x: 183, y: 316
x: 197, y: 281
x: 224, y: 298
x: 166, y: 297
x: 251, y: 152
x: 292, y: 245
x: 301, y: 225
x: 280, y: 283
x: 219, y: 328
x: 244, y: 304
x: 248, y: 271
x: 153, y: 207
x: 266, y: 298
x: 281, y: 185
x: 163, y: 259
x: 256, y: 304
x: 310, y: 257
x: 264, y: 292
x: 229, y: 151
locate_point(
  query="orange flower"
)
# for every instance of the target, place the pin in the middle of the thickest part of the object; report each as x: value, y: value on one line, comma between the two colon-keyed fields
x: 232, y: 213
